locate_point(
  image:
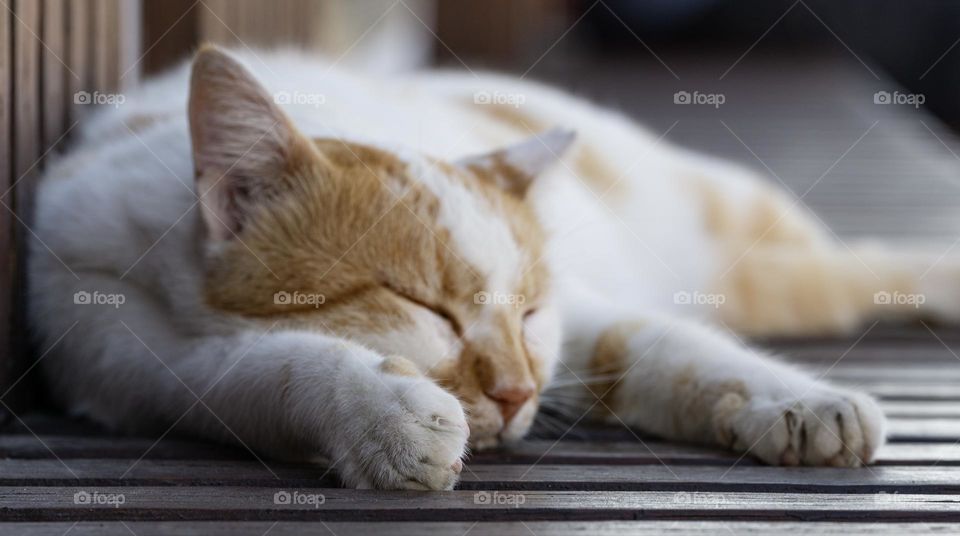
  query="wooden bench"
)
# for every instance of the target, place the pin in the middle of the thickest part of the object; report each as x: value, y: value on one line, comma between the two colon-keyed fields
x: 60, y: 474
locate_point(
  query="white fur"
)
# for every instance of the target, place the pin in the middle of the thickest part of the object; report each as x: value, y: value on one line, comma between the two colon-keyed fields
x: 120, y: 212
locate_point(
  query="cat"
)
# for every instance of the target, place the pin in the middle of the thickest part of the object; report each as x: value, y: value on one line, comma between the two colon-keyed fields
x: 268, y: 250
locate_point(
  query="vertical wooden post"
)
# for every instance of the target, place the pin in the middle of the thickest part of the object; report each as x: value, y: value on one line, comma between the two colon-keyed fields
x: 55, y: 72
x: 79, y: 54
x: 49, y: 51
x: 26, y: 147
x: 7, y: 222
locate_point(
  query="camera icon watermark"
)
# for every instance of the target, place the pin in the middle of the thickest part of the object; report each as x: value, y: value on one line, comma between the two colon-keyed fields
x: 499, y: 97
x: 485, y: 297
x: 684, y: 297
x: 707, y: 500
x: 911, y: 99
x: 83, y: 297
x: 896, y: 297
x: 297, y: 498
x: 314, y: 300
x: 497, y: 498
x: 110, y: 99
x: 95, y: 498
x: 300, y: 98
x: 710, y: 99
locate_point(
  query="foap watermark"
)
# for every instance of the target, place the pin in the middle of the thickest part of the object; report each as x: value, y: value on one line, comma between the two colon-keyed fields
x: 300, y: 98
x: 298, y: 498
x: 497, y: 498
x: 708, y: 500
x: 499, y: 298
x: 95, y: 498
x: 710, y: 99
x: 111, y: 99
x: 684, y: 297
x: 299, y: 298
x: 910, y: 99
x: 899, y: 298
x: 499, y: 97
x: 83, y: 297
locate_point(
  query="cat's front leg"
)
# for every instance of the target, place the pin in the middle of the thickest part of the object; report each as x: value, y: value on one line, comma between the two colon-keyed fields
x: 376, y: 419
x: 683, y: 381
x: 289, y: 395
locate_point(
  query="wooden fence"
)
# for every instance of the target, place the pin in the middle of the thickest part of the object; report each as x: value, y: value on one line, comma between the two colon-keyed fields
x: 51, y: 51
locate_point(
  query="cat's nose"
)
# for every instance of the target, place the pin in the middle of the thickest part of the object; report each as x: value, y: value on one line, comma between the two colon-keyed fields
x: 511, y: 399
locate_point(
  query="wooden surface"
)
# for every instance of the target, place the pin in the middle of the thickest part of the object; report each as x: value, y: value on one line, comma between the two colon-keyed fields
x: 595, y: 479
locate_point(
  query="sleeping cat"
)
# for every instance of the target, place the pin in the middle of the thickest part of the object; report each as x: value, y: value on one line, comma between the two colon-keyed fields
x: 266, y: 250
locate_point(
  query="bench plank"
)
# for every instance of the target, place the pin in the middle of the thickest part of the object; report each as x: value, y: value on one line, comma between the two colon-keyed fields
x: 225, y: 503
x: 541, y: 476
x: 598, y: 528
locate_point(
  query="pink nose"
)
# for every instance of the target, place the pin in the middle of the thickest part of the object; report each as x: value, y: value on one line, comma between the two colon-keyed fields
x: 510, y: 400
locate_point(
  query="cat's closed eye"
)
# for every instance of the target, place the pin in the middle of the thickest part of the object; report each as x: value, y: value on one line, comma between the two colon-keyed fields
x: 437, y: 310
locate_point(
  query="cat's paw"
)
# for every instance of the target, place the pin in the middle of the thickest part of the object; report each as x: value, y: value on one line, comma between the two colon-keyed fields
x: 825, y: 427
x: 416, y: 442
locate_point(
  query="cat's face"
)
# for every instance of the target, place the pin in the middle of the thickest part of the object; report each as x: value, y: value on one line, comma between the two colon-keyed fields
x: 440, y: 263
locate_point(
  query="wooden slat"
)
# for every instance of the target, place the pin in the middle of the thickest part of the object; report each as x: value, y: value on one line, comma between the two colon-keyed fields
x: 713, y: 478
x: 911, y: 391
x: 27, y: 97
x: 898, y: 429
x: 27, y: 446
x: 7, y: 224
x: 27, y: 121
x: 924, y: 429
x: 107, y: 44
x: 566, y: 528
x: 884, y: 333
x: 650, y: 477
x: 902, y: 372
x: 54, y: 71
x: 216, y: 21
x: 888, y: 354
x: 921, y: 408
x: 224, y: 503
x: 53, y: 472
x: 79, y: 58
x: 528, y: 452
x: 656, y: 452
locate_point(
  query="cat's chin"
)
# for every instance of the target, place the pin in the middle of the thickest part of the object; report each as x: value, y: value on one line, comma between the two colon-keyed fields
x: 506, y: 437
x: 484, y: 443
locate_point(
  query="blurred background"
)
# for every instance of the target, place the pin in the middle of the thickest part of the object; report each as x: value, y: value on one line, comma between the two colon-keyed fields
x: 802, y: 83
x: 850, y: 104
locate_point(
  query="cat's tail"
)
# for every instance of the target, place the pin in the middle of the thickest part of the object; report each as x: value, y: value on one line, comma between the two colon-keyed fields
x: 835, y: 288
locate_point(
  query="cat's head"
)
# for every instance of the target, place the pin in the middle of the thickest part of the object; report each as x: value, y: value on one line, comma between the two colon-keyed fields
x: 441, y: 263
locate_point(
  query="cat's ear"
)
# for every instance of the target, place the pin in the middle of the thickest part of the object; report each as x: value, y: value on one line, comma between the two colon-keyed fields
x: 243, y: 144
x: 515, y: 167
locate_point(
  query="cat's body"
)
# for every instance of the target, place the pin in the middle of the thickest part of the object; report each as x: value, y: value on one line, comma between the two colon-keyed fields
x: 401, y: 274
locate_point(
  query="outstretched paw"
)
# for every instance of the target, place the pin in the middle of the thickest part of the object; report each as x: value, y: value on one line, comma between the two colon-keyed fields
x: 825, y: 427
x: 415, y: 440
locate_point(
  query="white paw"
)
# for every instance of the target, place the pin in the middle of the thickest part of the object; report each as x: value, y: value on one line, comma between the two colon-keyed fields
x: 415, y: 439
x: 825, y: 427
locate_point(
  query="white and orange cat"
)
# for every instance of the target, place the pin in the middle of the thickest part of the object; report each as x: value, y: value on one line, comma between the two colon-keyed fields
x: 266, y: 250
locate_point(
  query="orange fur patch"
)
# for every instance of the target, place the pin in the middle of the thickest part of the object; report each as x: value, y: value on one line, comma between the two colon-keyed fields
x: 610, y: 358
